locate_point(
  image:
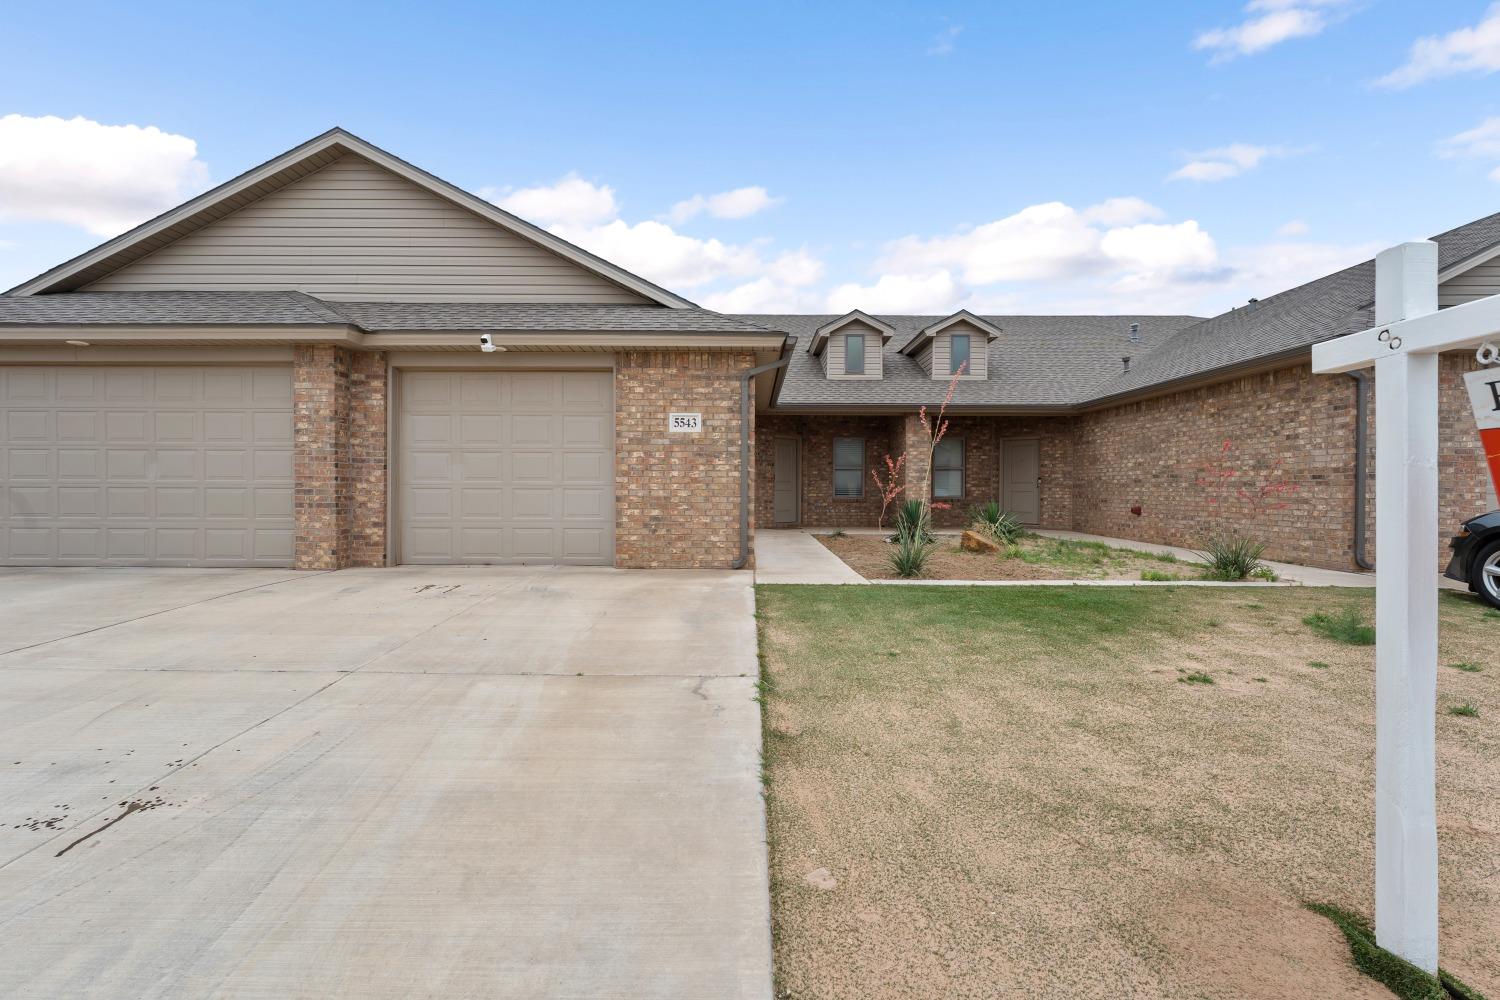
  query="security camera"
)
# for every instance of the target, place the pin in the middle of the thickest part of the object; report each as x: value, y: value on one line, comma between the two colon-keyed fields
x: 486, y: 344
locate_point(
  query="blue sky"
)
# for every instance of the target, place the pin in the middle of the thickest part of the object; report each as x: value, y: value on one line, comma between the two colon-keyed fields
x: 1082, y: 157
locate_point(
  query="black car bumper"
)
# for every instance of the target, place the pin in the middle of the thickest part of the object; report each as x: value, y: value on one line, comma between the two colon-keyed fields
x: 1457, y: 569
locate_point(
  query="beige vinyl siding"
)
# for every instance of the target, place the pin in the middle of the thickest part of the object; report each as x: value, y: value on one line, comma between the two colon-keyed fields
x: 978, y: 353
x: 1475, y: 283
x: 353, y: 230
x: 833, y: 354
x: 924, y: 357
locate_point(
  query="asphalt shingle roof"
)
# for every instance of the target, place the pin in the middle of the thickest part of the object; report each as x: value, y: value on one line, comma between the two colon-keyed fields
x: 198, y: 308
x: 376, y: 316
x: 1037, y: 361
x: 300, y: 309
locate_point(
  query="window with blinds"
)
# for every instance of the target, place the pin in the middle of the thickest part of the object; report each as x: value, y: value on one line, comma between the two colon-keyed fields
x: 848, y: 468
x: 948, y: 469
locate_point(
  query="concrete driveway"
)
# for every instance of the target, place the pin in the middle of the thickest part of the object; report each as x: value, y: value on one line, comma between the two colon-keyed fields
x: 418, y: 782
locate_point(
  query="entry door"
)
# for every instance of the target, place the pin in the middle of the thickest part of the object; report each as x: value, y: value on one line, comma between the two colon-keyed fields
x: 788, y: 488
x: 1021, y: 477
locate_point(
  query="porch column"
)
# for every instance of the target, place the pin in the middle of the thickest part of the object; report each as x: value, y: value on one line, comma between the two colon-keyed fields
x: 912, y: 439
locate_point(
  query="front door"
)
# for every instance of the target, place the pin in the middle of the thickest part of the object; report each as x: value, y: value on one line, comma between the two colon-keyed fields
x: 1021, y: 479
x: 788, y: 486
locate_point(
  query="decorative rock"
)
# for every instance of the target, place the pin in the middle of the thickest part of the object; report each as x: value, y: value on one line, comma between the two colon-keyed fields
x: 973, y: 541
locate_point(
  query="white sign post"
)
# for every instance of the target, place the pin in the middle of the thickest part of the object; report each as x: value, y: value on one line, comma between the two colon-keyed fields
x: 1404, y: 348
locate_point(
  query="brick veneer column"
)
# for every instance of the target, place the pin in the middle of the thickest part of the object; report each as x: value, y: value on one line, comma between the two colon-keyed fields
x: 677, y: 496
x: 339, y: 460
x: 914, y: 442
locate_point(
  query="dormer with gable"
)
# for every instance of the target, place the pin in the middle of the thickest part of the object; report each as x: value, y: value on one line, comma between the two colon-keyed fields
x: 852, y: 346
x: 958, y: 342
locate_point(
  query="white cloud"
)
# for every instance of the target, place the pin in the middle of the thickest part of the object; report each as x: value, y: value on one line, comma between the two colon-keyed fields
x: 1222, y: 163
x: 1293, y: 227
x: 785, y: 287
x: 933, y: 292
x: 104, y: 178
x: 737, y: 204
x: 1269, y: 23
x: 1480, y: 142
x: 1467, y: 50
x: 945, y: 41
x: 1122, y: 212
x: 588, y: 214
x: 1483, y: 140
x: 571, y: 201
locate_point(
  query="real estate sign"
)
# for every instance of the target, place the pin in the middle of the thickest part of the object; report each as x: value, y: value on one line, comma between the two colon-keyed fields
x: 1484, y: 392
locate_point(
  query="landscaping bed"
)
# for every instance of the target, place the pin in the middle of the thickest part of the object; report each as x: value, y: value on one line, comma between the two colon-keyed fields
x: 1101, y: 792
x: 1030, y: 557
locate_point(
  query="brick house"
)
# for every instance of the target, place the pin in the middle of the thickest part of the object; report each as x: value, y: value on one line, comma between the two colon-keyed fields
x: 287, y: 371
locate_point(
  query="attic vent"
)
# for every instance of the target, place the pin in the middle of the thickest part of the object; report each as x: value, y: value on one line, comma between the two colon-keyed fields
x: 1126, y: 362
x: 1135, y: 338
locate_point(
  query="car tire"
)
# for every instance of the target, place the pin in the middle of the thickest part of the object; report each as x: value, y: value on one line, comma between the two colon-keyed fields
x: 1484, y: 574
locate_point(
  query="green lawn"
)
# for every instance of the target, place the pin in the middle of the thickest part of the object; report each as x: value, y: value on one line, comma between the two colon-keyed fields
x: 1017, y: 791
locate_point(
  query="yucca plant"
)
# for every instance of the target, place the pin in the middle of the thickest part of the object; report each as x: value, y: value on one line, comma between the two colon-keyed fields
x: 909, y: 555
x: 1232, y: 557
x: 914, y: 520
x: 991, y: 519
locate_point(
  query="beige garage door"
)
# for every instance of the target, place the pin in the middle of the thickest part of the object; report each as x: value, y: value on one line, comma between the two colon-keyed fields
x: 145, y: 466
x: 507, y: 467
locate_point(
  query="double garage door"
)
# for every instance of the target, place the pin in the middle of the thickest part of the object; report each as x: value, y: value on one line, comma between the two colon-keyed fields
x: 145, y: 466
x: 192, y: 466
x: 506, y: 467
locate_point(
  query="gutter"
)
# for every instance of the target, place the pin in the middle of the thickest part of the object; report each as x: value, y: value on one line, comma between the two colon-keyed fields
x: 745, y: 380
x: 1361, y: 463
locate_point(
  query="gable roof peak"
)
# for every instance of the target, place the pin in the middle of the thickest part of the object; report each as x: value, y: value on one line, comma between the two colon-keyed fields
x: 282, y: 170
x: 821, y: 334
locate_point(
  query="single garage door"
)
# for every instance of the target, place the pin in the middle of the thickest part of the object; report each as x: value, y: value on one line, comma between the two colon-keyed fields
x: 506, y: 467
x: 146, y: 466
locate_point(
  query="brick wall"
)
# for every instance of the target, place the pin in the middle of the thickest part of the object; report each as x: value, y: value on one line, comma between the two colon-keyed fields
x: 677, y: 495
x: 819, y: 507
x: 883, y: 436
x: 1153, y: 452
x: 339, y: 456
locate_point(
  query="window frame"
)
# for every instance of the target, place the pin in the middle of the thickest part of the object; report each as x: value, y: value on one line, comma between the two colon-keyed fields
x: 864, y: 354
x: 961, y: 469
x: 968, y: 350
x: 834, y: 484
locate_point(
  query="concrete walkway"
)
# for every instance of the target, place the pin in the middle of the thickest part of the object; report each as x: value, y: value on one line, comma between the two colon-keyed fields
x: 455, y: 782
x: 795, y: 556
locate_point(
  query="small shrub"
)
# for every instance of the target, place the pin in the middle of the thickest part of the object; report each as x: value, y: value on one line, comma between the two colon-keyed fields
x: 1347, y: 626
x: 1264, y: 572
x: 1317, y: 664
x: 838, y: 533
x: 1467, y: 710
x: 1232, y: 557
x: 1196, y: 677
x: 990, y: 519
x: 1468, y: 668
x: 909, y: 557
x: 1157, y: 576
x: 914, y: 519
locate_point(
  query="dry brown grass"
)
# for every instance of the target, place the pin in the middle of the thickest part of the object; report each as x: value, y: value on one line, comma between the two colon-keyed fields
x: 1034, y: 557
x: 1013, y: 795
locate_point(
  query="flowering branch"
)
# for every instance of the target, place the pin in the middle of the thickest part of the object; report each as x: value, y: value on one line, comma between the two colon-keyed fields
x: 891, y: 487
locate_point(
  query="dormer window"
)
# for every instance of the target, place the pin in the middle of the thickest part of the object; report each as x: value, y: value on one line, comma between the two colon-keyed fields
x: 955, y: 346
x: 851, y: 346
x: 958, y: 353
x: 854, y: 354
